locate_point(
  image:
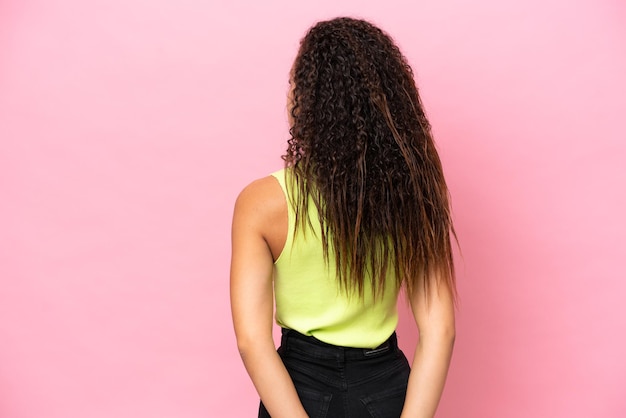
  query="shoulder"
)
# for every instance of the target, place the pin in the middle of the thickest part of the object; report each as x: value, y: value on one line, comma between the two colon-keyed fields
x: 260, y: 193
x: 260, y: 201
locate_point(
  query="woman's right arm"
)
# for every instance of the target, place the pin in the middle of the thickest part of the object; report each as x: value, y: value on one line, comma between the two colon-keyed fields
x: 434, y: 315
x: 252, y: 303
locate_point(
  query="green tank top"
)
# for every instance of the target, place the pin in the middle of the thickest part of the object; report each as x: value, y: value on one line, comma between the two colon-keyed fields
x: 309, y: 300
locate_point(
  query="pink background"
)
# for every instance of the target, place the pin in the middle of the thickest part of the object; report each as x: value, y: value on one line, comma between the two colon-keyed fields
x: 127, y: 128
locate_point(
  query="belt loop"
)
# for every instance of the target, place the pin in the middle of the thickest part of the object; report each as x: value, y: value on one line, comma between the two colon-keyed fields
x: 284, y: 338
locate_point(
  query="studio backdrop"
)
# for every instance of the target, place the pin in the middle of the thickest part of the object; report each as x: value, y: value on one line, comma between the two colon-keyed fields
x: 128, y: 127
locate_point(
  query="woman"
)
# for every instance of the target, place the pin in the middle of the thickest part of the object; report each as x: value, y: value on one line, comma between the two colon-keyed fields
x: 360, y: 210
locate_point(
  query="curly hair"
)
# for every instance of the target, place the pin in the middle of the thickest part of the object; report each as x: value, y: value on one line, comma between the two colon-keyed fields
x: 361, y: 149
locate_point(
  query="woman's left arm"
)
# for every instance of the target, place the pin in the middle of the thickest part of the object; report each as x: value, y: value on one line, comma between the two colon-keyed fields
x: 252, y: 303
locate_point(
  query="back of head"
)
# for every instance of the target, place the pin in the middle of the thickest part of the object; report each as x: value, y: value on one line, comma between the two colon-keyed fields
x: 361, y: 146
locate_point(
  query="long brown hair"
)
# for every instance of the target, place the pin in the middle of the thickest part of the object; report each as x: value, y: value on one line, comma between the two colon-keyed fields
x: 361, y: 148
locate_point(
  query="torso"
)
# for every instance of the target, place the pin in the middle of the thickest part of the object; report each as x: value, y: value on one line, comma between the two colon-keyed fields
x: 307, y: 295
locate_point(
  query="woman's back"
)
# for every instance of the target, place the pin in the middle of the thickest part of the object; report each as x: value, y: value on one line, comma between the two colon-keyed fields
x: 308, y: 297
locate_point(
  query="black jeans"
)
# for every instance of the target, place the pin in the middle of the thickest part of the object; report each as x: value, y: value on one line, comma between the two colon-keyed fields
x: 338, y: 382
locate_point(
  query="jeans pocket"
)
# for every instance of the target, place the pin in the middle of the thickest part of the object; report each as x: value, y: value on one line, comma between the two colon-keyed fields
x: 387, y: 403
x: 315, y: 403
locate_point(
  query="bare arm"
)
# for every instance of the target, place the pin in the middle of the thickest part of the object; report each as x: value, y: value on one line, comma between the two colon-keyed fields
x: 435, y: 321
x: 252, y: 303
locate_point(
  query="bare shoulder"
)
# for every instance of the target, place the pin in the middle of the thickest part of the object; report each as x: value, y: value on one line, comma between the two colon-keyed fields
x: 261, y: 193
x: 261, y: 201
x: 261, y: 211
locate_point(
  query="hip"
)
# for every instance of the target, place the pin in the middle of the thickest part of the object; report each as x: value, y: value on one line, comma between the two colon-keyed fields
x: 334, y: 381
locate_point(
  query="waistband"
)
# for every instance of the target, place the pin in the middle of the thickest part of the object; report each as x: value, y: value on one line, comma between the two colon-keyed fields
x: 293, y: 339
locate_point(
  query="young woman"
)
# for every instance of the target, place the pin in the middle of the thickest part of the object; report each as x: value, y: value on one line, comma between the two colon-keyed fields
x: 360, y: 210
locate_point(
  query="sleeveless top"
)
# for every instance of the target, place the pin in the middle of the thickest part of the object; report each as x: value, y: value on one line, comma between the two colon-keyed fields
x: 309, y: 299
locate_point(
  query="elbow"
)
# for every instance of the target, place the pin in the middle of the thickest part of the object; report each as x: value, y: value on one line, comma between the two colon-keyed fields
x: 251, y: 343
x: 447, y: 336
x: 246, y: 350
x: 244, y: 345
x: 441, y: 336
x: 450, y: 333
x: 452, y: 338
